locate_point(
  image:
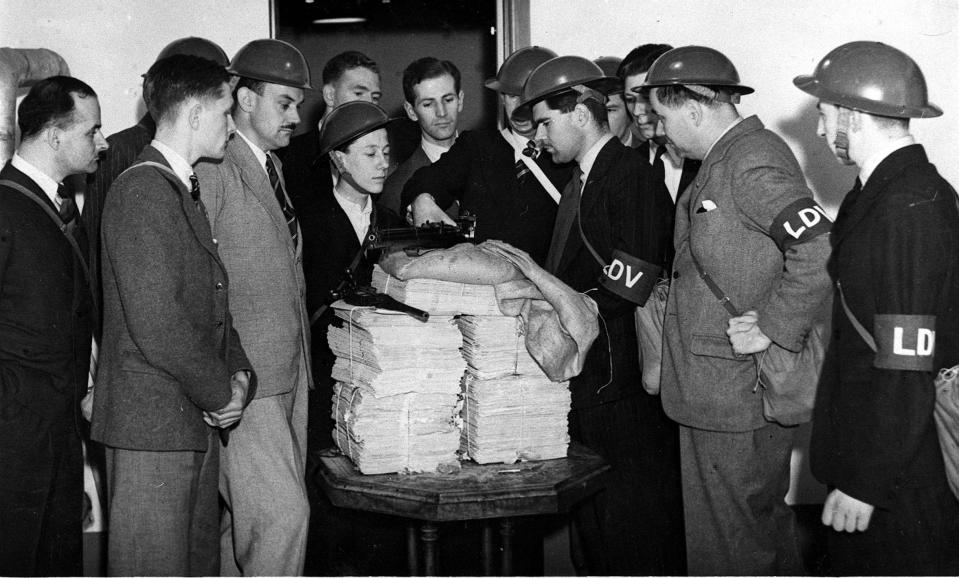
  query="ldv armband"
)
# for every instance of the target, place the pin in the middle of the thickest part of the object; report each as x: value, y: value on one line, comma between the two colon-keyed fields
x: 629, y: 277
x: 799, y: 222
x: 905, y: 342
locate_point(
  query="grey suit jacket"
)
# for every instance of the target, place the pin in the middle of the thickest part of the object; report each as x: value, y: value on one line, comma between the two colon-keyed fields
x: 733, y: 217
x: 267, y: 289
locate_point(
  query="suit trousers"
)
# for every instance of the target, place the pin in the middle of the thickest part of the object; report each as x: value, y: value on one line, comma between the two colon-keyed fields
x: 263, y: 483
x: 41, y: 497
x: 734, y: 489
x: 164, y: 512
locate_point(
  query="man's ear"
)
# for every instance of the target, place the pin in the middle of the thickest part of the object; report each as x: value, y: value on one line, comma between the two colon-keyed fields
x: 329, y: 91
x: 410, y: 111
x: 193, y: 114
x: 461, y: 96
x: 245, y: 98
x: 52, y: 136
x: 581, y: 115
x: 337, y: 158
x: 694, y: 111
x: 855, y: 120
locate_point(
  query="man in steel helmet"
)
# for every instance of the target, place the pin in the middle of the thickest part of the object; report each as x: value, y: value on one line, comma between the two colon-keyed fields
x: 497, y: 175
x: 896, y: 258
x: 751, y: 224
x: 262, y: 468
x: 610, y: 241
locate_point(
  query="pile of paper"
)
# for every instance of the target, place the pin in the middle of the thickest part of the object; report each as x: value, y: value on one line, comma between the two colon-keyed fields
x: 396, y: 402
x: 511, y: 410
x: 438, y: 297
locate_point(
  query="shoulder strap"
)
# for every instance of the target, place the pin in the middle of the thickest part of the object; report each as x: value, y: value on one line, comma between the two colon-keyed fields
x: 711, y: 283
x: 155, y: 165
x: 866, y: 336
x: 533, y: 168
x: 63, y: 229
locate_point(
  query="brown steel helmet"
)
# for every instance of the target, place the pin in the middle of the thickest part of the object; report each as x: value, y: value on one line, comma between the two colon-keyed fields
x: 565, y: 73
x: 697, y: 68
x: 515, y: 69
x: 273, y: 61
x: 195, y: 46
x: 871, y: 77
x: 350, y: 121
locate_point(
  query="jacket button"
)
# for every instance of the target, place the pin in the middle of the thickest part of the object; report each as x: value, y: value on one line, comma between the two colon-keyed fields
x: 675, y: 274
x: 219, y: 286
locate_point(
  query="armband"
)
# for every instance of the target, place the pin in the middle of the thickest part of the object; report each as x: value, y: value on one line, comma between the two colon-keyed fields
x: 905, y: 342
x: 630, y: 277
x: 801, y: 221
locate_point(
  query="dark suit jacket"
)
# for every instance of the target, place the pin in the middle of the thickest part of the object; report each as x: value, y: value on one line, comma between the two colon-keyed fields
x: 479, y: 171
x: 308, y: 176
x: 896, y: 251
x: 690, y: 168
x: 169, y: 346
x: 45, y: 316
x: 620, y: 209
x: 390, y: 198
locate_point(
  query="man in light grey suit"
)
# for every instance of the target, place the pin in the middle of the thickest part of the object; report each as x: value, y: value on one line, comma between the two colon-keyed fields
x: 262, y: 466
x: 434, y: 100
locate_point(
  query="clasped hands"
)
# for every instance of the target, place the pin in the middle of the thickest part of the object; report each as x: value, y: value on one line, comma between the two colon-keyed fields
x: 745, y: 335
x: 232, y: 411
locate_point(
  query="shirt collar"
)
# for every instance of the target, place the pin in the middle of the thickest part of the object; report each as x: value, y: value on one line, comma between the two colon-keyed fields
x: 433, y: 151
x: 259, y: 153
x: 728, y: 128
x: 46, y: 184
x: 589, y: 158
x: 180, y: 166
x: 880, y: 155
x: 351, y: 207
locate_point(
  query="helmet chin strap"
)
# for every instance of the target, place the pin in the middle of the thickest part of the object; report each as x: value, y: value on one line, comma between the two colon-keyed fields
x: 841, y: 143
x: 348, y: 177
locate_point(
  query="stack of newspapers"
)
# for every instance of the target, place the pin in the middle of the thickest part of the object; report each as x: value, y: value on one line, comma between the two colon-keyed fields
x: 438, y: 297
x: 511, y: 410
x: 396, y: 401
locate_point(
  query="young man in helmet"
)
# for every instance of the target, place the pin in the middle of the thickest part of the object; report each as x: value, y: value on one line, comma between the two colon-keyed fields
x: 896, y: 259
x: 497, y: 175
x: 611, y: 219
x: 262, y: 468
x: 741, y: 222
x: 620, y: 122
x: 434, y: 100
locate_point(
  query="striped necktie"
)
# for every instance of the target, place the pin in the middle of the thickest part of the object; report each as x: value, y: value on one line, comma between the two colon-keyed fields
x: 521, y: 169
x: 285, y: 206
x: 66, y: 206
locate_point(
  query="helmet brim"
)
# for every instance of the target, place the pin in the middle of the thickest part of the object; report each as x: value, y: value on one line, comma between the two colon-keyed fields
x: 811, y: 85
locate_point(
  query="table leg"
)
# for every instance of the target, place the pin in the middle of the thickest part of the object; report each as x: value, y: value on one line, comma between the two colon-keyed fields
x: 506, y: 534
x: 428, y: 534
x: 412, y: 551
x: 487, y: 548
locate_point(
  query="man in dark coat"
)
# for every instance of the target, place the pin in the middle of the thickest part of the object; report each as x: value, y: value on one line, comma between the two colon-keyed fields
x: 611, y: 215
x: 171, y: 364
x: 486, y: 172
x: 46, y: 326
x: 896, y: 259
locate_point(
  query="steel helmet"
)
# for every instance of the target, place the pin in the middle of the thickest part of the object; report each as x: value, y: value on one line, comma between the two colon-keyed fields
x: 871, y: 77
x: 610, y: 66
x: 515, y: 69
x: 564, y: 73
x: 273, y: 61
x: 697, y: 66
x: 350, y: 121
x: 195, y: 46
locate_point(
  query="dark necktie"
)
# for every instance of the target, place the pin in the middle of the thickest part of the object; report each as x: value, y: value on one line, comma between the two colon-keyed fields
x: 521, y: 169
x: 67, y: 207
x: 659, y: 165
x: 565, y: 217
x: 285, y: 207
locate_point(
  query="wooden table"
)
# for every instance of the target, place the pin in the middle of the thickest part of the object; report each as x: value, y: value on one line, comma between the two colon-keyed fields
x: 495, y: 491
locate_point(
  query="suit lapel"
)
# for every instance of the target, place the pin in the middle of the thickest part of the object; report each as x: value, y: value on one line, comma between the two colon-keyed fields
x: 256, y: 181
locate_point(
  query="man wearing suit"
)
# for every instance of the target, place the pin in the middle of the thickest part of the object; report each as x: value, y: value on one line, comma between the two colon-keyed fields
x: 610, y: 214
x: 434, y: 100
x: 742, y: 221
x: 262, y: 469
x: 171, y: 364
x: 896, y: 255
x: 485, y: 171
x: 46, y: 323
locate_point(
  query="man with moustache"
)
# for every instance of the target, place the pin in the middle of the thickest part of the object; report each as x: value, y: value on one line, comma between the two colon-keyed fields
x: 498, y: 176
x: 46, y: 323
x: 434, y: 100
x: 262, y: 469
x: 172, y: 370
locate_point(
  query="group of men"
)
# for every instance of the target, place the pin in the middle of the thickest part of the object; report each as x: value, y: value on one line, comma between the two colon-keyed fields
x: 219, y: 240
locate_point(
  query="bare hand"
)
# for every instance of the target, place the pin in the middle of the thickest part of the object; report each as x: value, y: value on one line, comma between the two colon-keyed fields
x: 86, y: 405
x: 425, y: 210
x: 232, y: 411
x: 745, y: 335
x: 845, y: 513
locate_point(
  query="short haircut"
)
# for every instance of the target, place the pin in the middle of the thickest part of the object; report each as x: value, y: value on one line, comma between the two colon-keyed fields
x: 427, y: 68
x: 675, y: 95
x: 640, y: 59
x: 344, y: 61
x: 256, y: 86
x: 566, y: 101
x: 50, y: 103
x: 180, y: 77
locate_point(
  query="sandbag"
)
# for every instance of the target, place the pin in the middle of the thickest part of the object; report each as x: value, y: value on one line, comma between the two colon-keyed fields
x: 463, y: 263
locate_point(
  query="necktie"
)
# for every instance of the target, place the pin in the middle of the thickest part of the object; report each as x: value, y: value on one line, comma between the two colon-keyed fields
x: 285, y: 207
x: 66, y: 206
x: 521, y: 169
x: 565, y: 217
x: 659, y: 166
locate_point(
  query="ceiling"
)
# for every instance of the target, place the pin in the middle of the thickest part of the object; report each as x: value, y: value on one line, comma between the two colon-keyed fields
x: 388, y: 14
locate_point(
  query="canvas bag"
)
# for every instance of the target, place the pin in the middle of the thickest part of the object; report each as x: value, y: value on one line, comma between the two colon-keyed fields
x: 789, y: 379
x: 946, y: 409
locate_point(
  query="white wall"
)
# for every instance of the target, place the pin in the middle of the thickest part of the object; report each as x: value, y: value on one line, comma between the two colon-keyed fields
x: 109, y: 43
x: 770, y: 42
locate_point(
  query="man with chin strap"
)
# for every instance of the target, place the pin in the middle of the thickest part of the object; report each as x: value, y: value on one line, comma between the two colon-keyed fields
x: 262, y: 468
x: 498, y: 176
